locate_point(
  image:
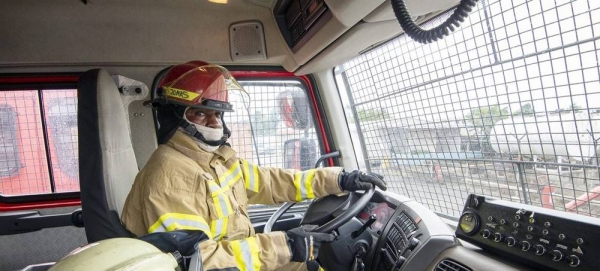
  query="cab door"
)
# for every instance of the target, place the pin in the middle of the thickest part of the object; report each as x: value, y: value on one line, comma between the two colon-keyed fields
x: 39, y: 182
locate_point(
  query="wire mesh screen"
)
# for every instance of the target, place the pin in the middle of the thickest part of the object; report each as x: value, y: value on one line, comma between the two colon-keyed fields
x: 38, y: 142
x: 274, y: 126
x: 60, y: 119
x: 505, y: 107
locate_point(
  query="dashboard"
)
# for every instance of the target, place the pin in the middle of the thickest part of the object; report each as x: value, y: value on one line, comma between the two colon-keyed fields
x: 402, y: 235
x: 396, y: 233
x: 539, y: 238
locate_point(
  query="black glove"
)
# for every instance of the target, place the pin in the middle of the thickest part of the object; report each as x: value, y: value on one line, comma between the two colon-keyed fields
x: 360, y: 180
x: 305, y: 244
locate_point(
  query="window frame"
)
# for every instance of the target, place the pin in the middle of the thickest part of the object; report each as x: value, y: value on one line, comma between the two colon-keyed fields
x: 39, y: 81
x: 319, y: 118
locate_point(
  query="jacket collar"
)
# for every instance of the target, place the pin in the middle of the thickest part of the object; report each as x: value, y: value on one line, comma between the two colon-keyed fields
x: 186, y: 145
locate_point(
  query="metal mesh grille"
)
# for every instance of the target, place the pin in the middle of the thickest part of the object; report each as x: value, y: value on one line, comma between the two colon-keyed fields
x: 265, y: 136
x: 38, y: 139
x: 504, y: 107
x: 261, y: 134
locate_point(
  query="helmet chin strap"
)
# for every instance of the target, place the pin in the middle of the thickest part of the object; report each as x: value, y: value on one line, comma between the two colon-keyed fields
x: 191, y: 129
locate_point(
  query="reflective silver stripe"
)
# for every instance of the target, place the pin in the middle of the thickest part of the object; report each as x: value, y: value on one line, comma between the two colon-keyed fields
x: 222, y: 202
x: 303, y: 192
x: 170, y: 224
x: 247, y: 255
x: 253, y: 177
x: 250, y: 173
x: 231, y: 177
x: 218, y: 228
x: 214, y: 187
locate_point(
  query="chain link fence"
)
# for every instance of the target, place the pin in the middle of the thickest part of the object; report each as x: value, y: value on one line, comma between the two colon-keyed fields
x: 505, y: 107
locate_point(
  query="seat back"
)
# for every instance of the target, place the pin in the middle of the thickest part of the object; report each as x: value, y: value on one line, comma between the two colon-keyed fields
x: 107, y: 163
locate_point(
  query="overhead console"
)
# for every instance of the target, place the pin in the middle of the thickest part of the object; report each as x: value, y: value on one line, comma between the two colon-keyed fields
x: 542, y: 238
x: 299, y: 20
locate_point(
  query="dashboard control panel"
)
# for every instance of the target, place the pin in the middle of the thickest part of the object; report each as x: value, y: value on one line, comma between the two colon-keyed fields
x: 299, y: 20
x: 542, y: 238
x: 397, y: 240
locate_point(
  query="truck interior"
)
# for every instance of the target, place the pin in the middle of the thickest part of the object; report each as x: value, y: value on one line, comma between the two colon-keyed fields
x: 479, y: 114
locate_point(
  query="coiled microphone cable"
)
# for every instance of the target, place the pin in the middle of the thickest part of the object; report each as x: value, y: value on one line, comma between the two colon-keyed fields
x: 427, y: 36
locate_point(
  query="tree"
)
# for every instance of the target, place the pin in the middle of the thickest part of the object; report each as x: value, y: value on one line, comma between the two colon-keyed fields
x: 371, y: 114
x: 483, y: 119
x: 574, y: 107
x: 526, y: 109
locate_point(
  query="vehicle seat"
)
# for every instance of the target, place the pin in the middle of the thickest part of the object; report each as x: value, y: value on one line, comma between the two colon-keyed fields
x: 107, y: 162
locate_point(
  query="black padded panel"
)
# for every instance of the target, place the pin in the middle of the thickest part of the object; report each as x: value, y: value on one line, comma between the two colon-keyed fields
x: 100, y: 221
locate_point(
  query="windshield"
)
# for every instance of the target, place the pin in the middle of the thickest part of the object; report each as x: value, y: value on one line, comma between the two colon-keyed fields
x: 506, y: 107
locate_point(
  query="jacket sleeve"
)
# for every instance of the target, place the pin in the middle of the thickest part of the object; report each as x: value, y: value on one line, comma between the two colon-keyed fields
x: 263, y: 251
x: 270, y: 185
x: 162, y: 213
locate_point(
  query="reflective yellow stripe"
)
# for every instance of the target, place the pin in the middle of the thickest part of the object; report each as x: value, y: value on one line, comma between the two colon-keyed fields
x: 177, y: 221
x: 246, y: 254
x: 227, y: 180
x: 181, y: 93
x: 254, y: 253
x: 303, y: 183
x: 250, y: 172
x: 310, y: 175
x: 231, y: 174
x: 218, y: 228
x: 220, y: 200
x: 239, y: 255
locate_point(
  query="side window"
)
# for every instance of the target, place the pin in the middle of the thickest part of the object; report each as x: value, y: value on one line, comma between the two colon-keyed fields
x: 61, y: 122
x: 274, y: 127
x: 38, y: 142
x: 505, y: 107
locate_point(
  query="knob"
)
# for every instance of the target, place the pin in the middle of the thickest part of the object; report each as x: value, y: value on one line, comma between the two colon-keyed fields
x: 511, y: 241
x: 573, y: 260
x: 556, y: 255
x: 525, y: 246
x: 474, y: 202
x: 486, y: 233
x: 413, y: 243
x: 540, y: 250
x: 498, y: 237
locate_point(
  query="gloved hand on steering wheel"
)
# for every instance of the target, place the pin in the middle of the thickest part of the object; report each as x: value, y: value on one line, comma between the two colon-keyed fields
x: 305, y: 244
x: 360, y: 180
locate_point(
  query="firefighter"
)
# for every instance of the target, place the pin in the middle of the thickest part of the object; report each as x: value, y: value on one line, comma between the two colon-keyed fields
x: 194, y: 181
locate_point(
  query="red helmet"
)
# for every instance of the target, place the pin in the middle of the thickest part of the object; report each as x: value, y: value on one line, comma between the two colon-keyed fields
x: 199, y: 84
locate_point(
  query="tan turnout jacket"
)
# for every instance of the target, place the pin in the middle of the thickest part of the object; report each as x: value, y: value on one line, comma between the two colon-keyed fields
x: 184, y: 187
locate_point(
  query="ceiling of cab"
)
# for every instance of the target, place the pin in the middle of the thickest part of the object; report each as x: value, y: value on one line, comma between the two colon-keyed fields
x: 139, y: 32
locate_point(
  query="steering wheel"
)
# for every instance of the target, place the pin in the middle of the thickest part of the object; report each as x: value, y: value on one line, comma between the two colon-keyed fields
x: 335, y: 223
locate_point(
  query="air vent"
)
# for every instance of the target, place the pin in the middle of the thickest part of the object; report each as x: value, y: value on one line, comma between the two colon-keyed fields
x: 450, y: 265
x: 406, y: 224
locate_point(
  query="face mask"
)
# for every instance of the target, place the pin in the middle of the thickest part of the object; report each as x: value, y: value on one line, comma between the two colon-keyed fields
x: 211, y: 134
